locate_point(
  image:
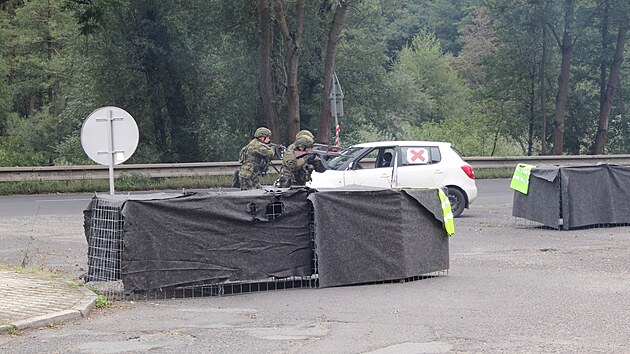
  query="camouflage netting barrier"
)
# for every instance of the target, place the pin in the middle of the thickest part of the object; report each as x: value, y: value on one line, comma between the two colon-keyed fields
x: 365, y: 236
x: 576, y: 196
x: 338, y: 237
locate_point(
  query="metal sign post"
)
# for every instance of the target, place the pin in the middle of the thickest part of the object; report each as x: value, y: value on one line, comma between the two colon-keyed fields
x: 109, y: 120
x: 333, y: 106
x: 336, y: 106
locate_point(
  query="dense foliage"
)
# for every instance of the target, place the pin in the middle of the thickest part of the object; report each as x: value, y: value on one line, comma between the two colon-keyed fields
x: 492, y: 76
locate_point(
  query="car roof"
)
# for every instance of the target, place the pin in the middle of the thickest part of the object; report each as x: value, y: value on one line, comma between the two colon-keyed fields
x: 402, y: 143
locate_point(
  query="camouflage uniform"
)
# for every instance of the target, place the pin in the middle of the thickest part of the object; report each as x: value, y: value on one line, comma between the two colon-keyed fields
x: 255, y: 158
x: 314, y: 163
x: 295, y: 169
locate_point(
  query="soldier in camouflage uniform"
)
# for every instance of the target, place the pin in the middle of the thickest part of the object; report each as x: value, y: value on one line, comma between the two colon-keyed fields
x: 295, y: 169
x: 314, y: 162
x: 255, y: 158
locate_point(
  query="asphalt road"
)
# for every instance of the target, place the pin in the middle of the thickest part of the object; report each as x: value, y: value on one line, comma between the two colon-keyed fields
x: 511, y: 287
x: 43, y: 205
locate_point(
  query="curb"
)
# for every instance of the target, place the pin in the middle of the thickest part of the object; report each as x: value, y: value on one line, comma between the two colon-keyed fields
x: 80, y: 309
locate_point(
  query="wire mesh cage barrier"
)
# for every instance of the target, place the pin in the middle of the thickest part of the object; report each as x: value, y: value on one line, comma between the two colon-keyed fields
x: 523, y: 223
x: 577, y: 197
x: 104, y: 228
x: 105, y: 246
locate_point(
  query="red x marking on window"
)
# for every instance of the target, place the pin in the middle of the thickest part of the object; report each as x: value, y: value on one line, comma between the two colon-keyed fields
x: 415, y: 155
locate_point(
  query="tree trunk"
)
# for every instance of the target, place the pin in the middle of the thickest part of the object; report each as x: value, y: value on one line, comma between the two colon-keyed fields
x: 293, y: 41
x: 161, y: 140
x: 323, y: 133
x: 532, y: 114
x: 264, y: 63
x: 622, y: 117
x: 602, y: 61
x: 49, y: 53
x: 611, y: 89
x: 167, y: 91
x: 543, y: 96
x: 30, y: 108
x: 566, y: 49
x: 183, y: 134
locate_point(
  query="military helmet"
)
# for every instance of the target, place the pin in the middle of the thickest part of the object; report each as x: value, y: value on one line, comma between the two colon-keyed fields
x: 262, y: 131
x: 305, y: 133
x: 304, y: 141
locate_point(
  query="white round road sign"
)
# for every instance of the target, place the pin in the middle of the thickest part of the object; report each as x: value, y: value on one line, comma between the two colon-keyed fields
x: 109, y: 132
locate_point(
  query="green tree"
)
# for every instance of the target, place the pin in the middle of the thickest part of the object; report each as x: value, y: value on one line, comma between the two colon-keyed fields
x: 292, y: 37
x: 514, y: 91
x: 155, y: 48
x: 429, y: 101
x: 334, y: 35
x: 265, y: 68
x: 610, y: 86
x: 38, y: 54
x: 565, y: 44
x: 6, y: 99
x: 429, y: 71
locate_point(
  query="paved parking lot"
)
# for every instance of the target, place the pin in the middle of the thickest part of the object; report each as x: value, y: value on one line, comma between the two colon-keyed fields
x: 511, y: 287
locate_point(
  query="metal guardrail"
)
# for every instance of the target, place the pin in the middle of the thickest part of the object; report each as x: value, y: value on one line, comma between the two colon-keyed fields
x: 573, y: 160
x: 60, y: 173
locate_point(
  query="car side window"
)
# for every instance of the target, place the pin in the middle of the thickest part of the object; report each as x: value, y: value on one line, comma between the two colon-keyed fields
x: 338, y: 162
x: 436, y: 156
x: 416, y: 155
x: 386, y: 157
x: 368, y: 160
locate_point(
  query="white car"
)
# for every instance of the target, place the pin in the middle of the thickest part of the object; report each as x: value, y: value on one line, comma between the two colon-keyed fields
x: 421, y: 164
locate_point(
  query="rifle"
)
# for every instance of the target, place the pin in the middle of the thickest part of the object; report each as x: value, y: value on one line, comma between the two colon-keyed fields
x: 325, y: 152
x: 324, y: 147
x: 315, y: 158
x: 278, y: 150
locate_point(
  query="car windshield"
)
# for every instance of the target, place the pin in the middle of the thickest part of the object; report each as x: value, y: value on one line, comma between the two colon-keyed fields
x: 336, y: 162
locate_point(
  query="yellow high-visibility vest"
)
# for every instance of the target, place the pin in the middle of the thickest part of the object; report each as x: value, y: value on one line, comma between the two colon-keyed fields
x: 520, y: 180
x: 449, y: 224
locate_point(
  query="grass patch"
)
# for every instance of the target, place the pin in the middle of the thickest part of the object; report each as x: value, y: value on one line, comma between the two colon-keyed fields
x: 102, y: 301
x: 126, y: 182
x: 42, y: 272
x: 488, y: 173
x: 13, y: 330
x: 130, y: 182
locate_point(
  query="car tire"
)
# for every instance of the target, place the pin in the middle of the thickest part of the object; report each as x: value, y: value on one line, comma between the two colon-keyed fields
x: 458, y: 201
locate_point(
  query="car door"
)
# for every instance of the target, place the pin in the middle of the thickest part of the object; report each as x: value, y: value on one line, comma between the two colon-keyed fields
x: 420, y: 166
x: 373, y: 168
x: 336, y: 166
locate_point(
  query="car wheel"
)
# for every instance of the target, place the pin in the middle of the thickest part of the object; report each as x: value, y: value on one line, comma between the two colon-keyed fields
x: 458, y: 201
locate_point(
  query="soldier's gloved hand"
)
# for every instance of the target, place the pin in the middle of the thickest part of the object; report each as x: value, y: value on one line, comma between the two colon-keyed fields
x: 311, y: 159
x: 320, y: 166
